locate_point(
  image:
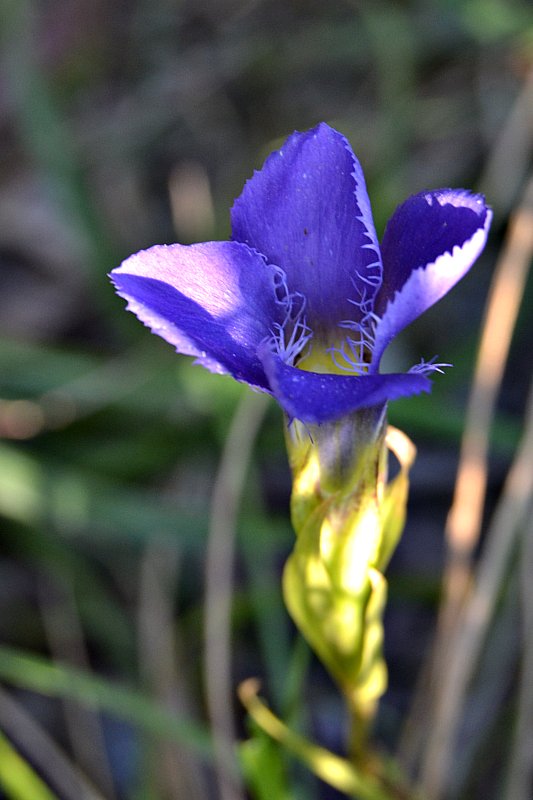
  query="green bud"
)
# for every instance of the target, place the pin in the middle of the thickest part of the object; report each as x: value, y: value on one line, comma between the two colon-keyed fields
x: 348, y: 521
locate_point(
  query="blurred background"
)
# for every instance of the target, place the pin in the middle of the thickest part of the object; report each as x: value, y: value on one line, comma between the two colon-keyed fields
x: 129, y: 123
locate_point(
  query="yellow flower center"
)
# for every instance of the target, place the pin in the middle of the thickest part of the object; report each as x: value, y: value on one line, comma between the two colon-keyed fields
x: 338, y: 358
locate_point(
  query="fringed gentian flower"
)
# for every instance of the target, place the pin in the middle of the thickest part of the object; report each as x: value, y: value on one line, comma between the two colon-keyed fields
x: 302, y: 302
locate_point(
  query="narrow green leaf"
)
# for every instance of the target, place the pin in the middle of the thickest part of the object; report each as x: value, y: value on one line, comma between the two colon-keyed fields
x: 39, y: 675
x: 17, y: 778
x: 264, y: 768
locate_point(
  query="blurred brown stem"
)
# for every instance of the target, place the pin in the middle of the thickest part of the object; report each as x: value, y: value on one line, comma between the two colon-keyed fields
x: 229, y: 485
x: 178, y: 770
x: 434, y: 733
x: 509, y: 517
x: 520, y: 774
x: 66, y: 640
x: 464, y: 521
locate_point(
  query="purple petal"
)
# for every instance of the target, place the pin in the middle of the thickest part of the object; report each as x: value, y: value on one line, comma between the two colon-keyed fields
x: 430, y: 242
x: 215, y: 301
x: 315, y: 398
x: 308, y: 212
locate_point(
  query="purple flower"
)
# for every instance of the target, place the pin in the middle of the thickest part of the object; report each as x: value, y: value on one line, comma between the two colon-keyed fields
x: 302, y: 302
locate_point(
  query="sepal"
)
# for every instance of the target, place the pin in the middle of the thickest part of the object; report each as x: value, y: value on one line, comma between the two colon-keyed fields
x: 336, y: 598
x: 348, y: 521
x: 394, y: 506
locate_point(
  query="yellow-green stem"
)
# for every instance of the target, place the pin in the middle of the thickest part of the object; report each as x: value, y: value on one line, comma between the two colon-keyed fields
x: 360, y: 724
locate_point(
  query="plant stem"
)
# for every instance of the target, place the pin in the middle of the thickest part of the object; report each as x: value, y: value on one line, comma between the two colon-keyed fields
x: 361, y: 717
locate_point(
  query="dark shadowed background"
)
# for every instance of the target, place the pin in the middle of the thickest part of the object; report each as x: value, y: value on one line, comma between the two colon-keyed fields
x: 129, y: 123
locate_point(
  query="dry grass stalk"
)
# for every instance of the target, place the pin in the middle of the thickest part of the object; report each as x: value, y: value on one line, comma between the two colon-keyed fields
x: 227, y: 493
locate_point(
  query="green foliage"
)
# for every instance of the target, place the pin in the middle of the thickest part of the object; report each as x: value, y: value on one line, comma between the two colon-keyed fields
x: 32, y: 672
x: 17, y: 779
x: 264, y: 768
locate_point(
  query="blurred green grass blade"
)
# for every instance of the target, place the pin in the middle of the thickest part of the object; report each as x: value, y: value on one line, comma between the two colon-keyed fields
x: 264, y: 768
x: 21, y: 486
x: 144, y: 379
x: 293, y: 689
x: 491, y: 20
x: 28, y: 368
x: 78, y: 505
x: 32, y: 492
x: 37, y: 674
x: 17, y: 778
x: 81, y: 507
